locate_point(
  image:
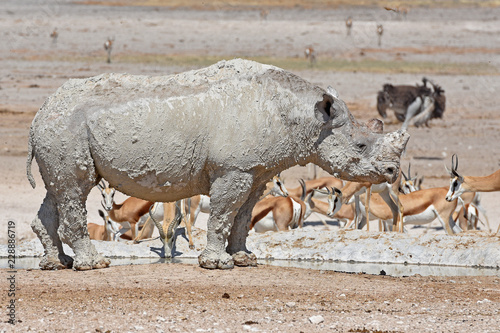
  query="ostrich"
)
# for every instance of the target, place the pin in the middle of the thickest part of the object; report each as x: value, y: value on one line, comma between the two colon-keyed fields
x: 420, y: 102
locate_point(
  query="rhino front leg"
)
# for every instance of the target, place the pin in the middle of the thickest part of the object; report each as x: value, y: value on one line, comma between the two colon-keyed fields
x: 239, y: 232
x: 226, y: 198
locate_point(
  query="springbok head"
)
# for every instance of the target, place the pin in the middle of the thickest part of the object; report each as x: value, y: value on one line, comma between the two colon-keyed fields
x: 112, y: 228
x: 334, y: 200
x: 108, y: 194
x: 408, y: 184
x: 456, y: 180
x: 278, y: 187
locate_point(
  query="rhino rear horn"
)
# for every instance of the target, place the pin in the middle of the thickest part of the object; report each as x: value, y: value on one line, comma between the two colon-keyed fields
x: 332, y: 91
x: 376, y: 125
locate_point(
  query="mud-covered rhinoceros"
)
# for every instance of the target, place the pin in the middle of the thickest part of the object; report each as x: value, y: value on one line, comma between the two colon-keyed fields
x: 223, y: 131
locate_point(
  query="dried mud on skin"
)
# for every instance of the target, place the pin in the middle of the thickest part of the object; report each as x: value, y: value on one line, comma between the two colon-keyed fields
x: 187, y: 298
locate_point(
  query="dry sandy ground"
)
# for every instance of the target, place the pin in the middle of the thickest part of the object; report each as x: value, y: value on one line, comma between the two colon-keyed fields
x: 187, y: 298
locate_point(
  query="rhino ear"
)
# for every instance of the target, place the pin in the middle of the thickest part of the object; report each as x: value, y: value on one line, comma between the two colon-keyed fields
x: 331, y: 114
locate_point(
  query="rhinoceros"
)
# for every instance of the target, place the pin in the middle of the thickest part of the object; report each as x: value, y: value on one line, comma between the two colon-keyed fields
x: 222, y: 131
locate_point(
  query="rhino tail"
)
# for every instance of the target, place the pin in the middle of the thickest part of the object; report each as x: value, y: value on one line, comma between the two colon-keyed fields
x: 29, y: 160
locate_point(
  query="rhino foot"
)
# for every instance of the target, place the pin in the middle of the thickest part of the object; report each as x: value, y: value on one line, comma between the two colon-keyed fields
x: 87, y: 263
x: 66, y: 260
x: 212, y: 261
x: 51, y: 263
x: 245, y: 259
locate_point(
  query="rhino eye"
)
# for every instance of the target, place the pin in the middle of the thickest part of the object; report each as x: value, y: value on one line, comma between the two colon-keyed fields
x: 361, y: 147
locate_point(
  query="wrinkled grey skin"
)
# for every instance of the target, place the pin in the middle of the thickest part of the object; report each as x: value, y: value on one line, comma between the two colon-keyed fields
x: 223, y: 131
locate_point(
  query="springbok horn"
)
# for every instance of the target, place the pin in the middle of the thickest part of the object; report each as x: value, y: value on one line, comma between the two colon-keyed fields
x: 339, y: 192
x: 452, y: 171
x: 448, y: 170
x: 403, y: 173
x: 454, y: 162
x: 158, y: 224
x: 322, y: 191
x: 304, y: 189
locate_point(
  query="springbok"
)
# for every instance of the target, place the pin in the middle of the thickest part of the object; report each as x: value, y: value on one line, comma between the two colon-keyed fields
x: 467, y: 217
x: 348, y: 25
x: 420, y: 207
x: 380, y: 32
x: 418, y: 102
x: 104, y: 232
x: 333, y: 208
x: 461, y: 184
x: 132, y: 214
x: 287, y: 212
x: 409, y: 183
x: 317, y: 183
x: 129, y: 211
x: 160, y: 211
x: 388, y: 193
x: 108, y: 46
x: 264, y: 13
x: 54, y: 34
x: 310, y: 54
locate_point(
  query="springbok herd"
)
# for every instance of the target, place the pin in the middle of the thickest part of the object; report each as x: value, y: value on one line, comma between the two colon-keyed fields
x: 404, y: 202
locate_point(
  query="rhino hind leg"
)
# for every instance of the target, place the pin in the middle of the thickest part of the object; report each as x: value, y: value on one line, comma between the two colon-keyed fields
x: 225, y: 201
x: 73, y: 227
x: 45, y: 227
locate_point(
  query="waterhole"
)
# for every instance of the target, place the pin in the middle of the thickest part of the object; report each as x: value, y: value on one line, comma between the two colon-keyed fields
x: 397, y: 270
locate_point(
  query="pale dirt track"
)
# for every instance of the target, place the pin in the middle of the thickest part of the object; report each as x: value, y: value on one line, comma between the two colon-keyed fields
x: 186, y: 298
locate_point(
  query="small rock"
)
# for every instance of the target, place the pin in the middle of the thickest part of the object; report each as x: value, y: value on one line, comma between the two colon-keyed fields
x: 484, y: 301
x: 225, y: 295
x: 250, y: 328
x: 316, y: 319
x: 290, y: 304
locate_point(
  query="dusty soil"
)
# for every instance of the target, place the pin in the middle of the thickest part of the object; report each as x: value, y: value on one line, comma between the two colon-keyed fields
x: 186, y: 298
x: 454, y: 46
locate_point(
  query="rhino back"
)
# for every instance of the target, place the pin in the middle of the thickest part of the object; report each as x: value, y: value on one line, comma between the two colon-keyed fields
x: 170, y: 129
